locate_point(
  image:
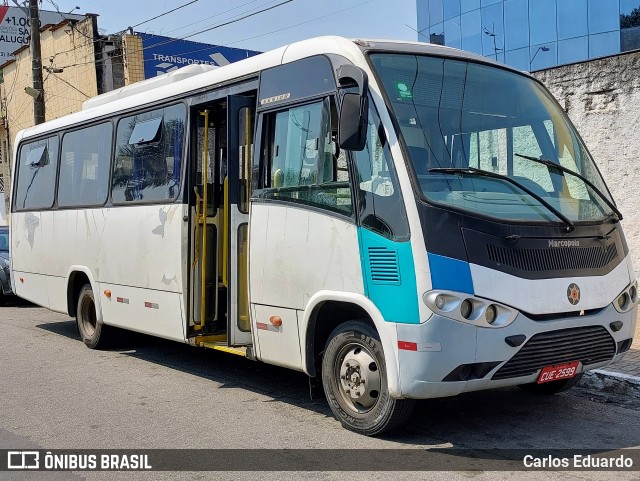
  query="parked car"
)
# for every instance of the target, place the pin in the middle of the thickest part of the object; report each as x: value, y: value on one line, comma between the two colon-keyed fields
x: 5, y: 282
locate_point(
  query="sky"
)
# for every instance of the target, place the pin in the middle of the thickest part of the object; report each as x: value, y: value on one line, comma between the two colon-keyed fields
x: 292, y: 21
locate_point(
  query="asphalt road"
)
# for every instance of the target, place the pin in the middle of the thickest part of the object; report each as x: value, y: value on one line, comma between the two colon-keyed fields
x: 150, y: 393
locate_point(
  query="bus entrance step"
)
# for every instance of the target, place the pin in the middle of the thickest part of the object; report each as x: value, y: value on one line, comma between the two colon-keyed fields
x: 219, y: 346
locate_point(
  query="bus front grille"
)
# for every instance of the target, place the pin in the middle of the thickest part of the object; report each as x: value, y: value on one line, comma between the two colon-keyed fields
x: 589, y: 345
x: 559, y: 259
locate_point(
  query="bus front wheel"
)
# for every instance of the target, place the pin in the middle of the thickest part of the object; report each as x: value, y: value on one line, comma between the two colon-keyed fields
x: 91, y: 331
x: 354, y: 378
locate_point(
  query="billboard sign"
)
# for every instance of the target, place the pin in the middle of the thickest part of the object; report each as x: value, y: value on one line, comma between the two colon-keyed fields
x: 15, y: 31
x: 165, y: 54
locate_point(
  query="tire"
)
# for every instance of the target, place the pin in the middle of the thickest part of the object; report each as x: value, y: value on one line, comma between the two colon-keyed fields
x: 92, y: 332
x: 553, y: 387
x: 354, y: 354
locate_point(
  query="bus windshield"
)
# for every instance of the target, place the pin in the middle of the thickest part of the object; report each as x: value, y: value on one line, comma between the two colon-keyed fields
x: 456, y: 115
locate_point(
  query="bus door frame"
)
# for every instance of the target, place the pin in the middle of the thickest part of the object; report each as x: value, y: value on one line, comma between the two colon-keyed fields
x: 236, y: 219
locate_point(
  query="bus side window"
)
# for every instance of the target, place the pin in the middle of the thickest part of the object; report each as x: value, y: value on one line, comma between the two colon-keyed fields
x: 84, y: 166
x: 149, y: 149
x: 380, y: 202
x: 36, y: 166
x: 302, y: 163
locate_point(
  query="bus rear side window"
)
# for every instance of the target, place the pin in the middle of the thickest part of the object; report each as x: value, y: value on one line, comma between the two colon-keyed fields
x: 37, y: 165
x: 148, y: 160
x: 84, y: 166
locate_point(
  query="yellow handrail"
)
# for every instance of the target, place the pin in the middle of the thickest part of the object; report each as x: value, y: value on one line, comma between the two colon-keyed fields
x: 205, y: 208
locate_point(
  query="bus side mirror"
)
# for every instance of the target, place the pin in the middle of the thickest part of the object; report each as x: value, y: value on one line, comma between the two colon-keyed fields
x: 354, y: 109
x: 352, y: 129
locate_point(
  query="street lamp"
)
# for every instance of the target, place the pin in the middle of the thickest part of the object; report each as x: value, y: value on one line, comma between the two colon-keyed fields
x: 544, y: 48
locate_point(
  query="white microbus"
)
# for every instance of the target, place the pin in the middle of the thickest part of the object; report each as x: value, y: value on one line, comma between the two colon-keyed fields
x: 397, y: 220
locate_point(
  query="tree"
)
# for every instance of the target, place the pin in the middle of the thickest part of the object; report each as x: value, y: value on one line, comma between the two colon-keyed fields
x: 631, y: 20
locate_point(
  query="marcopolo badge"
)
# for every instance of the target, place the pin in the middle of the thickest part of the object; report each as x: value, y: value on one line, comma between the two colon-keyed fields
x: 573, y: 294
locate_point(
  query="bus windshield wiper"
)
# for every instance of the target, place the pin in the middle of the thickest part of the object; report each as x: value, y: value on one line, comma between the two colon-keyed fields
x: 553, y: 165
x: 485, y: 173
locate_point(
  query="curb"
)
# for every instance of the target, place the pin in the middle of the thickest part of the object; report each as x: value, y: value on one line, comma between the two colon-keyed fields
x: 611, y: 382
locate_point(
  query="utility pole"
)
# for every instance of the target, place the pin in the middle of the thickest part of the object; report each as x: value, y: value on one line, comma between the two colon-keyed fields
x: 36, y: 63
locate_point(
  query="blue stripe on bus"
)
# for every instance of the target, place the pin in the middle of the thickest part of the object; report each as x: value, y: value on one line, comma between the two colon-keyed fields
x: 389, y: 277
x: 450, y: 274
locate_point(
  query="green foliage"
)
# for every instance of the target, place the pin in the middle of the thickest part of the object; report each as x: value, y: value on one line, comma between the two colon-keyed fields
x: 631, y: 20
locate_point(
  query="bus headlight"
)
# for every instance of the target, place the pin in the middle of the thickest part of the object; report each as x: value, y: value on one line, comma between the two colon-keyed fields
x: 469, y: 309
x: 466, y: 308
x: 623, y: 299
x: 491, y: 314
x: 627, y: 299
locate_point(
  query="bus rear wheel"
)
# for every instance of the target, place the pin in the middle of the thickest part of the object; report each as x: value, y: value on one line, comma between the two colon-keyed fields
x: 92, y: 332
x: 553, y: 387
x: 354, y: 378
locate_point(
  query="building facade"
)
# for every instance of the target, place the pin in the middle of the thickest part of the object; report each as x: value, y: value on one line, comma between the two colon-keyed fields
x: 532, y: 34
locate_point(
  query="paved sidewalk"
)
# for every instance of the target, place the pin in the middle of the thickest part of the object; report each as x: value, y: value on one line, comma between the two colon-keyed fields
x: 630, y: 364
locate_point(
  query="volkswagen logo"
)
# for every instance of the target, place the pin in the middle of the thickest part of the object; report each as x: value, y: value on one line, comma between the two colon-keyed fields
x: 573, y: 294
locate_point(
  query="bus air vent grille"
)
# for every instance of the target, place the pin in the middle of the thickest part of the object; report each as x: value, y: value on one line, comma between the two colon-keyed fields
x: 384, y: 267
x: 589, y: 345
x: 559, y: 259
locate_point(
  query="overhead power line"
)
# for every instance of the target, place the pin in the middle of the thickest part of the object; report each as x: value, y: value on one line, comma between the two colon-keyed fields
x: 238, y: 19
x: 165, y: 13
x: 210, y: 17
x: 301, y: 23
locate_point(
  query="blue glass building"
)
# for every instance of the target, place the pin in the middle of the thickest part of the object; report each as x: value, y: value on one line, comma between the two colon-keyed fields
x: 532, y: 34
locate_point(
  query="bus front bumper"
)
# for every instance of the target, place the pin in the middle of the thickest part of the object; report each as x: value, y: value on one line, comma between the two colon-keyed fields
x: 443, y: 357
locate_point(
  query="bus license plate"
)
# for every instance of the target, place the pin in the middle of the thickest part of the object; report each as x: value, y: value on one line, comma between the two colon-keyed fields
x: 560, y: 371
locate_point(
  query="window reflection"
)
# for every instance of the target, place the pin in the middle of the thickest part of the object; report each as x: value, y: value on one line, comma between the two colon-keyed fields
x: 573, y: 50
x: 496, y: 57
x: 603, y: 16
x: 542, y: 19
x: 604, y: 44
x: 452, y: 33
x: 451, y: 8
x: 436, y: 34
x: 435, y: 11
x: 543, y: 56
x: 513, y: 30
x: 629, y: 25
x: 468, y: 5
x: 518, y: 58
x: 492, y: 30
x: 572, y: 19
x: 422, y: 10
x: 516, y: 24
x: 471, y: 27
